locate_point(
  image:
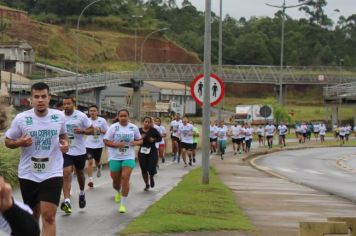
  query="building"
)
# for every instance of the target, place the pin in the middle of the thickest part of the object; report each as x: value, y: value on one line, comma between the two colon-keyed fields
x: 17, y: 57
x: 151, y: 92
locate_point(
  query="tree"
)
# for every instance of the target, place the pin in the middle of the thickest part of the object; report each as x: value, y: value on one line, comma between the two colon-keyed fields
x: 315, y: 10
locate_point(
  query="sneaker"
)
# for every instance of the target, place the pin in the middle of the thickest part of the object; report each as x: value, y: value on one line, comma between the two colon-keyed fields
x: 66, y: 207
x: 98, y: 173
x: 190, y: 163
x: 117, y: 197
x: 122, y: 209
x: 82, y: 201
x: 178, y: 159
x: 163, y: 160
x: 146, y: 188
x: 91, y: 184
x: 152, y: 182
x: 193, y: 159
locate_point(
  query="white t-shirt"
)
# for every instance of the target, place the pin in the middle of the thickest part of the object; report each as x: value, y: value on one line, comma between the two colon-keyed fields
x: 162, y: 131
x: 158, y: 128
x: 342, y: 131
x: 260, y: 131
x: 45, y: 133
x: 76, y: 141
x: 348, y: 129
x: 282, y: 129
x: 213, y: 130
x: 316, y: 128
x: 175, y: 127
x: 322, y: 130
x: 118, y: 133
x: 96, y: 140
x: 235, y: 131
x: 222, y: 133
x: 186, y: 133
x: 248, y: 133
x: 270, y: 130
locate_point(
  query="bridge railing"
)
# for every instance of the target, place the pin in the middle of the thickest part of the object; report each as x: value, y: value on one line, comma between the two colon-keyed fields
x: 340, y: 91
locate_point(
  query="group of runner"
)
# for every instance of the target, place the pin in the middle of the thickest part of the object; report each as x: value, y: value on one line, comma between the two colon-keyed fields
x: 55, y: 144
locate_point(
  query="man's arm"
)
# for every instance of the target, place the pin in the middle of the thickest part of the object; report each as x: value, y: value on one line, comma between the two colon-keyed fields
x: 21, y: 221
x: 23, y: 141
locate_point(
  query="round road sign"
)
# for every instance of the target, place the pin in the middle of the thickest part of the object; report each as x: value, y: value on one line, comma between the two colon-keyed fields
x: 265, y: 111
x: 216, y: 87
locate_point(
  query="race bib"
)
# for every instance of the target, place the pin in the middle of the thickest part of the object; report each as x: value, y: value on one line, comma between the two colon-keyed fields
x: 145, y: 150
x: 39, y: 165
x: 123, y: 151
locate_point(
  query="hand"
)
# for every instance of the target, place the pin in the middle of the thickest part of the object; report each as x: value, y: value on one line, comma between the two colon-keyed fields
x: 5, y: 195
x: 121, y: 145
x: 78, y: 131
x: 25, y: 140
x: 63, y: 145
x: 151, y: 140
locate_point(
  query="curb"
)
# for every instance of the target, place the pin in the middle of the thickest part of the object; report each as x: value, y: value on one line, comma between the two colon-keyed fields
x: 255, y: 156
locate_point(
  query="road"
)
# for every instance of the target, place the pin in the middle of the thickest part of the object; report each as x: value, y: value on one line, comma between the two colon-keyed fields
x: 101, y: 216
x: 328, y: 169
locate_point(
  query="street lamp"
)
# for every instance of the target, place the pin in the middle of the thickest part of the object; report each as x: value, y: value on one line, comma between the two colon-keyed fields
x: 77, y: 42
x: 283, y: 7
x: 135, y: 17
x: 145, y: 39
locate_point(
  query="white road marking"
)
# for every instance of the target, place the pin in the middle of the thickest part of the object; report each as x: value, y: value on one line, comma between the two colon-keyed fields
x: 286, y: 170
x: 314, y: 172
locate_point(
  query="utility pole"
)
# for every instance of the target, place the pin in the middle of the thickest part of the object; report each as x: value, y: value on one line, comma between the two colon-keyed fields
x: 280, y: 82
x: 206, y: 95
x: 221, y: 105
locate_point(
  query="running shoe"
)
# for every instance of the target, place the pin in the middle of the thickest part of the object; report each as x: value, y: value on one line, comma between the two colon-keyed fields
x: 193, y: 159
x: 163, y: 160
x: 152, y: 182
x: 122, y: 208
x: 117, y: 197
x: 66, y: 207
x: 98, y: 173
x: 82, y: 201
x: 91, y: 184
x: 146, y: 188
x: 190, y: 162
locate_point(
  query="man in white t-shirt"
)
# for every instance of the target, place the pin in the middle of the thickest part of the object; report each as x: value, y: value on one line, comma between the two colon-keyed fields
x: 41, y: 135
x: 94, y: 143
x: 186, y: 133
x: 282, y: 132
x: 77, y: 125
x: 175, y: 137
x: 270, y: 130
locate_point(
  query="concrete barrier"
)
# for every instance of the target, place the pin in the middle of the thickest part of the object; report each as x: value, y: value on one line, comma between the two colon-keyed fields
x: 322, y: 228
x: 350, y: 222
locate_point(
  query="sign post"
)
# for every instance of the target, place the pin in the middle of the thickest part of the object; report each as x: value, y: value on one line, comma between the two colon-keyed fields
x: 216, y: 88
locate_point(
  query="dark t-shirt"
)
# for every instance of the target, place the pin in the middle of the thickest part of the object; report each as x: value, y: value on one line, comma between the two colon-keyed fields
x: 152, y: 132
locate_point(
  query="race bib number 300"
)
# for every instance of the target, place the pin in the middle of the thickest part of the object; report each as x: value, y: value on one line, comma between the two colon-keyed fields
x: 39, y: 165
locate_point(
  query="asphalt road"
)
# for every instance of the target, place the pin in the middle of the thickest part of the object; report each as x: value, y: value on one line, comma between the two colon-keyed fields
x: 332, y: 170
x: 101, y: 216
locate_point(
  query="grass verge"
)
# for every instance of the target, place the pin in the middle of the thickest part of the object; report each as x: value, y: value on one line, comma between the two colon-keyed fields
x: 8, y: 164
x: 192, y: 206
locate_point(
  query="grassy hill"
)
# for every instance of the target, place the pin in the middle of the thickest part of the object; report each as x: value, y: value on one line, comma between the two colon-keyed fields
x: 100, y: 49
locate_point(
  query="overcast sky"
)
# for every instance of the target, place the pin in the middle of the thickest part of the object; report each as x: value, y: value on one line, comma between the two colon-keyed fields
x: 248, y: 8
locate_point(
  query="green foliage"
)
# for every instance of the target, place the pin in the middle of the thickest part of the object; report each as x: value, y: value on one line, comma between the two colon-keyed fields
x: 280, y: 113
x: 192, y: 206
x: 8, y: 164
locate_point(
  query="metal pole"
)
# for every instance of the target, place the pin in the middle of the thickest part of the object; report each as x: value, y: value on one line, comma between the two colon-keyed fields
x: 282, y: 55
x: 185, y: 98
x: 145, y: 39
x: 221, y: 105
x: 77, y: 42
x: 206, y: 96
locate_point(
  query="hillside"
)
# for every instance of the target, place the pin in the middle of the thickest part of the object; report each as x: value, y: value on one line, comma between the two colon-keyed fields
x: 100, y: 50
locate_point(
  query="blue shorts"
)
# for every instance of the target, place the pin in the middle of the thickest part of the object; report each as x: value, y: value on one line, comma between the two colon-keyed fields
x: 116, y: 165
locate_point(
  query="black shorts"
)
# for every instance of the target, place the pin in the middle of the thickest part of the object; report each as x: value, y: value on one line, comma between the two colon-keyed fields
x: 94, y: 153
x: 48, y: 190
x: 174, y: 138
x: 234, y: 140
x: 148, y: 162
x: 304, y: 135
x: 77, y: 161
x: 186, y: 146
x: 282, y: 135
x: 213, y: 140
x: 341, y: 136
x: 260, y: 136
x: 316, y: 132
x: 269, y: 136
x: 195, y: 146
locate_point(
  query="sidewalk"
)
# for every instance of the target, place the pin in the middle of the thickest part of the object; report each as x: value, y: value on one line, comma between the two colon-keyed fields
x: 274, y: 205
